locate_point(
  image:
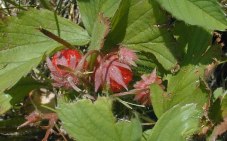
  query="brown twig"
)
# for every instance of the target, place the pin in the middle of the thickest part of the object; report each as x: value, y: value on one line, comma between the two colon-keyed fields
x: 55, y: 37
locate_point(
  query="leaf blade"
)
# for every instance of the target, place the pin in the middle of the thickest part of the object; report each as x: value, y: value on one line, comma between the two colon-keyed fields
x: 88, y: 116
x: 183, y: 119
x: 4, y: 103
x: 143, y: 35
x: 197, y: 12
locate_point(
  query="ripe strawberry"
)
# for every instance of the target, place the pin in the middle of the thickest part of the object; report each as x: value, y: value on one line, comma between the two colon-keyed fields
x: 62, y: 76
x: 114, y: 71
x: 68, y: 58
x: 127, y: 78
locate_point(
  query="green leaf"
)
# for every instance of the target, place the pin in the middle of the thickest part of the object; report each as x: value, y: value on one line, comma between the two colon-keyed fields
x: 217, y: 93
x: 13, y: 71
x: 87, y: 121
x: 145, y: 66
x: 196, y: 42
x: 186, y: 86
x: 90, y: 9
x: 215, y: 111
x: 204, y: 13
x: 146, y: 134
x: 102, y: 27
x: 142, y: 33
x: 4, y: 103
x: 157, y: 99
x: 23, y: 46
x: 118, y: 24
x: 183, y: 88
x: 177, y: 124
x: 128, y: 131
x: 22, y: 31
x: 224, y: 105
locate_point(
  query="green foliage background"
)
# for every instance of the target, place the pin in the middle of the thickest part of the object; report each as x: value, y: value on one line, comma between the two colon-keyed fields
x: 180, y: 51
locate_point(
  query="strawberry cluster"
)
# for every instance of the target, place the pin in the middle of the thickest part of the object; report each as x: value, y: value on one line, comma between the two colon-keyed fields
x: 111, y: 72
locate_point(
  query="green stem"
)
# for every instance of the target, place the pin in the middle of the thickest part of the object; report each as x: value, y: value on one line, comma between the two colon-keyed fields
x: 131, y: 92
x: 57, y: 24
x: 124, y: 103
x: 92, y: 61
x: 49, y: 108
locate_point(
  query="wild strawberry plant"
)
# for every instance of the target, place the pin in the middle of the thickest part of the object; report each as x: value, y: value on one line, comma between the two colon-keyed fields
x: 132, y: 70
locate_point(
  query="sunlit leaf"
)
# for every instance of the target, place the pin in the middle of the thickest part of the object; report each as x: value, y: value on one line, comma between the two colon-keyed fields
x: 183, y: 88
x: 158, y: 99
x: 217, y: 93
x: 4, y: 103
x: 205, y: 13
x: 177, y: 124
x: 224, y: 105
x: 146, y: 134
x: 95, y: 122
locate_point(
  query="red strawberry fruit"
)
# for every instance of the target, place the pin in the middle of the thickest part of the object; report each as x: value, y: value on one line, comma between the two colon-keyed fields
x: 127, y: 78
x: 68, y: 58
x: 62, y: 77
